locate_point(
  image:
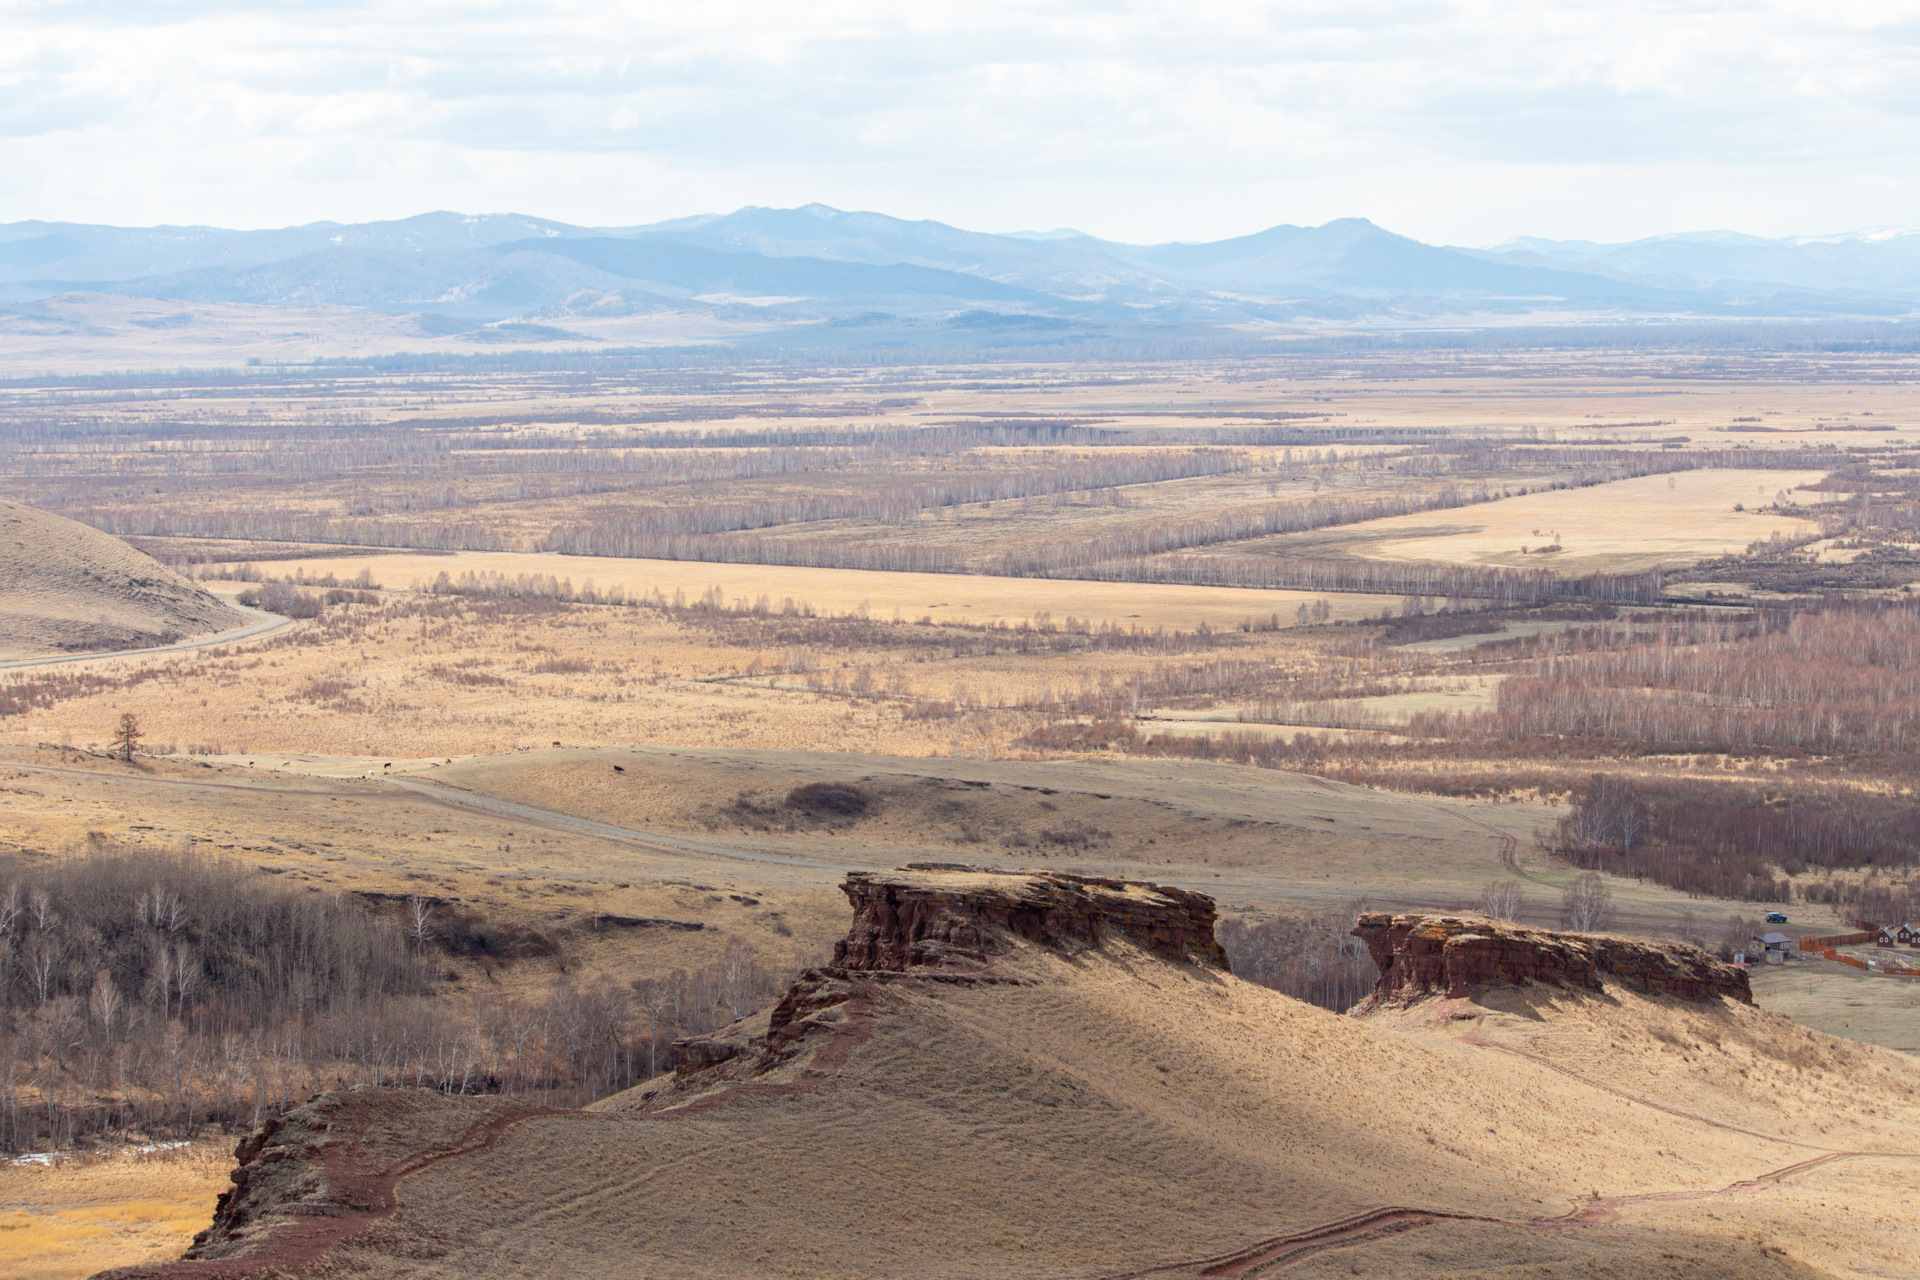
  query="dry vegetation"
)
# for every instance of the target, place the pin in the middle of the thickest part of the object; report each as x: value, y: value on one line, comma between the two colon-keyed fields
x: 1480, y: 627
x: 154, y: 995
x: 122, y: 1207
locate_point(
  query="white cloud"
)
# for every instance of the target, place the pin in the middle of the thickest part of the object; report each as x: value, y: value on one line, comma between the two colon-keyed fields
x: 1465, y: 122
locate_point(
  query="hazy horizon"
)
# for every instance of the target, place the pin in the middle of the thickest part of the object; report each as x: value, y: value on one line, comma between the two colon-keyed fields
x: 1140, y: 123
x: 1518, y: 239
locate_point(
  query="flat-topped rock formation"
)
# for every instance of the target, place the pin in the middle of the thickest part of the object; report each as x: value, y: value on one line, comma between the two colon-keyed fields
x: 1025, y: 1076
x: 947, y: 914
x: 1424, y: 955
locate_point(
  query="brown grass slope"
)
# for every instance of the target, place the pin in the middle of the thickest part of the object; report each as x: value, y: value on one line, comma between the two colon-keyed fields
x: 65, y: 587
x: 1031, y: 1094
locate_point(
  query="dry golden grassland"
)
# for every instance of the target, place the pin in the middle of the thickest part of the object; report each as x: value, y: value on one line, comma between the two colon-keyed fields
x: 687, y: 829
x: 556, y: 763
x: 963, y: 599
x: 472, y: 677
x: 86, y: 1214
x: 1621, y: 527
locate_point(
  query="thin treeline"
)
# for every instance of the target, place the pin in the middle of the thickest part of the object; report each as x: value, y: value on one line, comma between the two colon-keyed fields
x: 897, y: 500
x: 1504, y: 587
x: 1842, y: 679
x: 271, y: 525
x: 795, y: 626
x: 818, y: 552
x: 1069, y: 556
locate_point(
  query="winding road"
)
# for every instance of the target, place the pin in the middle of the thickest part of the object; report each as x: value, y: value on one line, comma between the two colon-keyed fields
x: 263, y: 624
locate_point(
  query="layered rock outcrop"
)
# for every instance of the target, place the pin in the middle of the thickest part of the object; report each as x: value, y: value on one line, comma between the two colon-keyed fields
x: 322, y: 1177
x: 946, y: 922
x: 1422, y: 955
x: 931, y: 915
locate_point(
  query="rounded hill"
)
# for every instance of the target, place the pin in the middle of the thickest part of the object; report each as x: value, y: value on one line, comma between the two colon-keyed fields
x: 69, y: 588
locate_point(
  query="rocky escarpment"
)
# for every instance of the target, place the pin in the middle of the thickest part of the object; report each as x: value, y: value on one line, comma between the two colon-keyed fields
x: 945, y: 922
x: 323, y: 1176
x: 941, y: 915
x: 1421, y: 955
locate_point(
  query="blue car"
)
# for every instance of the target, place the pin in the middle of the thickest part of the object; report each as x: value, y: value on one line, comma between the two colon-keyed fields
x: 1775, y: 917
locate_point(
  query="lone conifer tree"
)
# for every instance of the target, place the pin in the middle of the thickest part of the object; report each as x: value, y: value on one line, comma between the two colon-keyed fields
x: 127, y: 736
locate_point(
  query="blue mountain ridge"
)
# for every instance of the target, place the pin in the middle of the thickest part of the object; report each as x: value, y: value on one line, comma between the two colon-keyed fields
x: 824, y: 263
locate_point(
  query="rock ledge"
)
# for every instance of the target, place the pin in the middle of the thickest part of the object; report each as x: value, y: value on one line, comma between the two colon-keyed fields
x: 1422, y: 955
x: 943, y: 915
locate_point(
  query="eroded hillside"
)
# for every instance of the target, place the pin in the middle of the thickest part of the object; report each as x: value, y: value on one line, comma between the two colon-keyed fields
x: 1036, y: 1074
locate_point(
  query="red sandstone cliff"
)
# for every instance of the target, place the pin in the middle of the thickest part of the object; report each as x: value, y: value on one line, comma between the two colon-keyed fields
x: 1420, y: 955
x: 934, y: 915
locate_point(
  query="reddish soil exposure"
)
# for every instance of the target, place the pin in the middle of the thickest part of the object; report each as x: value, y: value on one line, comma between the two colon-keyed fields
x: 327, y: 1171
x: 1421, y: 955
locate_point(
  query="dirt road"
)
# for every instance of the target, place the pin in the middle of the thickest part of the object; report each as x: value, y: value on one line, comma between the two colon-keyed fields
x: 264, y: 623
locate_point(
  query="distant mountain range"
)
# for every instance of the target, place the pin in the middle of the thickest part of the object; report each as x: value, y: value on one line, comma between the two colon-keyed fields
x: 1885, y: 262
x: 837, y: 268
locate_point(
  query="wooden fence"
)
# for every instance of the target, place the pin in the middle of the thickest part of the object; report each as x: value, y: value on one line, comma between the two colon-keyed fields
x: 1818, y: 947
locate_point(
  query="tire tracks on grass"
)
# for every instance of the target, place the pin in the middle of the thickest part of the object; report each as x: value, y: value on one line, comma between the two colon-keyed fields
x: 1274, y: 1253
x: 1476, y: 1039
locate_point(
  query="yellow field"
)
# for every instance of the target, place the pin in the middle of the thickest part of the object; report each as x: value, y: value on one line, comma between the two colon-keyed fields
x: 970, y: 599
x: 71, y: 1220
x: 480, y: 677
x: 1620, y: 527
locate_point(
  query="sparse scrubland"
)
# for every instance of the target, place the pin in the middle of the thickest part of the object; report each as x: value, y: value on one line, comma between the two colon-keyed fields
x: 596, y: 681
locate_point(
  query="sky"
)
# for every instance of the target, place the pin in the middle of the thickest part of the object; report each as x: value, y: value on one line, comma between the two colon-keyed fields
x: 1461, y: 123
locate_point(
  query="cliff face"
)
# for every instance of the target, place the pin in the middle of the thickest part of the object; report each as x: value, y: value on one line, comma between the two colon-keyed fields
x: 931, y: 915
x: 1420, y: 955
x: 323, y: 1176
x: 944, y: 922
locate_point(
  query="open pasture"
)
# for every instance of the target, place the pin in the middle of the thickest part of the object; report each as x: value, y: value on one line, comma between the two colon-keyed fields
x: 974, y: 600
x: 1626, y: 526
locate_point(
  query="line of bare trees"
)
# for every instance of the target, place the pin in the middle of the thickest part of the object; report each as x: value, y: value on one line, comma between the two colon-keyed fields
x: 1504, y: 587
x: 895, y: 501
x: 1845, y: 678
x: 1725, y: 839
x: 149, y: 993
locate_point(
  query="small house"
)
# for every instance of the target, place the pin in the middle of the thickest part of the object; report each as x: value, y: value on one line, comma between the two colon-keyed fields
x: 1905, y: 935
x: 1775, y: 942
x: 1886, y: 938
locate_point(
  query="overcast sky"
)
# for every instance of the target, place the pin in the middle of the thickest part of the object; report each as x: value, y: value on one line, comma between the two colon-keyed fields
x: 1462, y: 123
